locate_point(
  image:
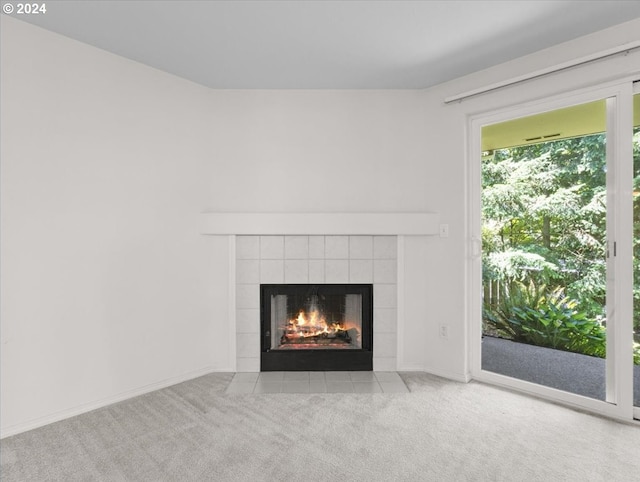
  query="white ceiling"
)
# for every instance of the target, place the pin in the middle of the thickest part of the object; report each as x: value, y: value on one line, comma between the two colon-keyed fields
x: 327, y: 44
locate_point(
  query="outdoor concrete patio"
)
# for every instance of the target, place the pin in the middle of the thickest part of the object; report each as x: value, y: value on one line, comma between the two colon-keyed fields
x: 571, y: 372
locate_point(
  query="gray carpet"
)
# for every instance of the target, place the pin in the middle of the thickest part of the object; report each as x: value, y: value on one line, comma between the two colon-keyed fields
x: 571, y: 372
x: 442, y: 431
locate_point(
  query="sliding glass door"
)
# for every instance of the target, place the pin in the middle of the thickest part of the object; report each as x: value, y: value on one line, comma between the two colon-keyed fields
x: 544, y: 246
x: 551, y: 236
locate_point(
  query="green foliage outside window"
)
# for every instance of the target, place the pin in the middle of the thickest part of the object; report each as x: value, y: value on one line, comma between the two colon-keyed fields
x: 544, y: 243
x: 534, y: 315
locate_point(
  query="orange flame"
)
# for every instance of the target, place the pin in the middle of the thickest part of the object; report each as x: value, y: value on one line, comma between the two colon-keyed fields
x: 307, y: 325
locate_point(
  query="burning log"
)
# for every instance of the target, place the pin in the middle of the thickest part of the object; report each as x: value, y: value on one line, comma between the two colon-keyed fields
x: 319, y: 338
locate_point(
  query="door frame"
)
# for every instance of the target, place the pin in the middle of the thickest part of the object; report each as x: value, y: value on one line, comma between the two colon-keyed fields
x: 619, y: 363
x: 635, y: 91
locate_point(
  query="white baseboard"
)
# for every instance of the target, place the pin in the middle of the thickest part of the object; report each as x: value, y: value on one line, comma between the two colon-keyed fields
x: 410, y: 368
x: 88, y: 407
x: 458, y: 377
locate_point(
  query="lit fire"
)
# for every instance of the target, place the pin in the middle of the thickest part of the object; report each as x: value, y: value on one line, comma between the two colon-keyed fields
x: 312, y: 324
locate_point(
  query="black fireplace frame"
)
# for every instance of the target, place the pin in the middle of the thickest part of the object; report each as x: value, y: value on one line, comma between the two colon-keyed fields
x: 316, y: 359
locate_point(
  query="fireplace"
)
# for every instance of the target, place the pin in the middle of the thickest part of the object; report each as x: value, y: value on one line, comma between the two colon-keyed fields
x: 312, y: 327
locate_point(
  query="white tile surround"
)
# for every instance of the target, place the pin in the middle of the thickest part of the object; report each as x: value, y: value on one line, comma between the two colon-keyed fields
x: 316, y: 259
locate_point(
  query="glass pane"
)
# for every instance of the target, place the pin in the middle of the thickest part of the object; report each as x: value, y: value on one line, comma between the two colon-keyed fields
x: 310, y: 317
x: 544, y: 249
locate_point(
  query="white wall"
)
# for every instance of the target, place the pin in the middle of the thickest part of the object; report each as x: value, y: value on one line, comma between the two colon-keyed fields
x: 319, y: 151
x: 107, y: 286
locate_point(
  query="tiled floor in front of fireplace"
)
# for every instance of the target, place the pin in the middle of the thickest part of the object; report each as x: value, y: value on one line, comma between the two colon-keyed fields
x: 317, y: 382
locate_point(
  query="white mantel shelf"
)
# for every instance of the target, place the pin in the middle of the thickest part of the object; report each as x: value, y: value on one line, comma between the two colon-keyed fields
x: 411, y: 224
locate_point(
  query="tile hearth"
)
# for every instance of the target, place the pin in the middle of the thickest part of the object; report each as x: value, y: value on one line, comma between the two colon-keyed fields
x: 316, y: 382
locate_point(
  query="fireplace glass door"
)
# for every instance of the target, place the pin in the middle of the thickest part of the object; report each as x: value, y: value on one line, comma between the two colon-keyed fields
x: 306, y: 326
